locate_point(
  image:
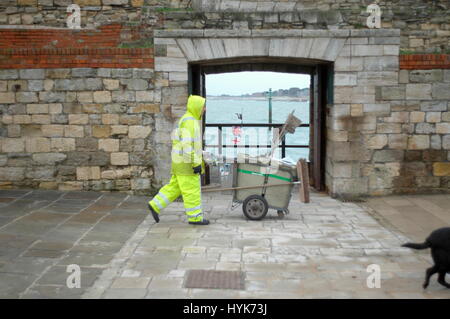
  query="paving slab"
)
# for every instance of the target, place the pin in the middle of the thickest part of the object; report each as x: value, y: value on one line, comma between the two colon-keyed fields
x: 319, y: 250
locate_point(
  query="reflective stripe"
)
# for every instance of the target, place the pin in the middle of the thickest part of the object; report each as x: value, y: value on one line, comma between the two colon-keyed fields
x: 190, y: 139
x: 187, y: 118
x: 186, y: 150
x: 164, y: 198
x: 158, y: 203
x: 193, y: 208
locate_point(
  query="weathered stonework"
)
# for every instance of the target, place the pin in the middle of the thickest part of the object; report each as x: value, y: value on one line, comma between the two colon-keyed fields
x: 79, y: 116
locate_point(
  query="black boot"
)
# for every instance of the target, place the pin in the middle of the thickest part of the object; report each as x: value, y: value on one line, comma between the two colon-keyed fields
x: 154, y: 214
x: 203, y: 222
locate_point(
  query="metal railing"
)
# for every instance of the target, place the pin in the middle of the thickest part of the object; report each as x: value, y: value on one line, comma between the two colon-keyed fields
x: 283, y: 146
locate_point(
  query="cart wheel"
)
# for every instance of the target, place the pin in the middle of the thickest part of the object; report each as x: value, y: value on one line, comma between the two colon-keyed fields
x: 255, y: 207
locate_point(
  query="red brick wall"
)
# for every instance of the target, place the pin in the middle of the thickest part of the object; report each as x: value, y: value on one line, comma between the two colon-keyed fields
x: 56, y: 48
x: 424, y: 61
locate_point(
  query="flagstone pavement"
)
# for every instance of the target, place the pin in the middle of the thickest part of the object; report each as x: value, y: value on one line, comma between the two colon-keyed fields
x: 320, y: 250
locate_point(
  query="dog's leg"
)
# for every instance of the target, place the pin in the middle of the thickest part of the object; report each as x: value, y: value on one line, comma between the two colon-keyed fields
x: 430, y: 272
x: 441, y: 279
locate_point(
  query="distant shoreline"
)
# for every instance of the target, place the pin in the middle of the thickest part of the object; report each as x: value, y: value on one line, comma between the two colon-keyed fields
x: 256, y: 98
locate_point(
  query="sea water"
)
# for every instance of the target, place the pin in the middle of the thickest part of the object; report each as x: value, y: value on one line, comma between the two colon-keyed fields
x: 255, y: 111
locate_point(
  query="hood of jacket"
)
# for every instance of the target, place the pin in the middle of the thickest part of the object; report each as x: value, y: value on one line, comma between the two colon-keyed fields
x: 195, y: 105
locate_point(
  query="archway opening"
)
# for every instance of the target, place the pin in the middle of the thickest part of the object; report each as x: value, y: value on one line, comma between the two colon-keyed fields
x: 229, y: 118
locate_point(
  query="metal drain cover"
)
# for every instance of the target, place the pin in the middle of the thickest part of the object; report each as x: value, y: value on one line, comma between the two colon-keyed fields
x: 215, y: 279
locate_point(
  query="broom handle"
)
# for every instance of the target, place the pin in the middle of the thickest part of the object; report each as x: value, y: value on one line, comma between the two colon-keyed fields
x: 207, y: 190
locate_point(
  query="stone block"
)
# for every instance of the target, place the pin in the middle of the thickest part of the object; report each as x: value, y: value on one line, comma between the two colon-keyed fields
x: 119, y: 158
x: 441, y: 91
x: 388, y: 156
x: 88, y: 173
x: 110, y: 119
x: 393, y: 93
x: 84, y: 72
x: 73, y: 131
x: 101, y: 131
x: 140, y: 183
x: 78, y: 119
x: 145, y: 108
x: 433, y: 106
x: 108, y: 145
x: 417, y: 117
x: 7, y: 97
x: 135, y: 84
x: 9, y: 74
x: 102, y: 97
x: 446, y: 142
x: 389, y: 128
x: 26, y: 97
x: 15, y: 131
x: 137, y: 131
x: 425, y: 76
x: 433, y: 117
x: 425, y: 128
x: 94, y: 84
x: 93, y: 108
x: 32, y: 74
x: 111, y: 84
x: 54, y: 108
x: 436, y: 142
x: 398, y: 141
x: 130, y: 119
x: 121, y: 73
x: 22, y: 119
x: 35, y: 85
x: 49, y: 158
x: 443, y: 128
x: 166, y: 64
x: 52, y: 97
x: 377, y: 141
x: 13, y: 145
x: 446, y: 116
x: 58, y: 73
x: 37, y: 145
x: 419, y: 142
x: 441, y: 169
x: 62, y: 144
x: 85, y: 97
x: 12, y: 173
x: 52, y: 130
x: 144, y: 96
x: 418, y: 91
x: 119, y: 130
x: 70, y: 186
x: 381, y: 63
x: 377, y: 109
x: 124, y: 96
x: 40, y: 119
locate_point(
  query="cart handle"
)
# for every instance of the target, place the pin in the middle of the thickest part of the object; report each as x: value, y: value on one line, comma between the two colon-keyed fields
x: 207, y: 190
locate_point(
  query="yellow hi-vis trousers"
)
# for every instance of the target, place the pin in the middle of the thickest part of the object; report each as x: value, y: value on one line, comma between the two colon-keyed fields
x: 189, y: 187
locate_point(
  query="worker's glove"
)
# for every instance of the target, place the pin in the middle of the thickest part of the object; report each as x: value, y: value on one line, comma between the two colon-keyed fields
x: 197, y: 169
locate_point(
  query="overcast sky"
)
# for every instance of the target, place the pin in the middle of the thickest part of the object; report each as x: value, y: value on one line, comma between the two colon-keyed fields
x: 250, y: 82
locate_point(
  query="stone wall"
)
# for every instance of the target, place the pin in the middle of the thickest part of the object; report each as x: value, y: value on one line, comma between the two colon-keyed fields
x: 79, y: 128
x: 424, y: 24
x: 88, y: 109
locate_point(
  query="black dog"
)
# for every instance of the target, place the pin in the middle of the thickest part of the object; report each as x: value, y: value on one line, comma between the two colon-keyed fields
x: 439, y: 242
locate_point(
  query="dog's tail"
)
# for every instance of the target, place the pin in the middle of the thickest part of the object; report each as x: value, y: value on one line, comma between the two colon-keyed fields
x: 423, y: 245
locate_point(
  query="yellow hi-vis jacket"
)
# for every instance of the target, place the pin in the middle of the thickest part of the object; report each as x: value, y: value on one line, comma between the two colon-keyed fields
x: 187, y: 139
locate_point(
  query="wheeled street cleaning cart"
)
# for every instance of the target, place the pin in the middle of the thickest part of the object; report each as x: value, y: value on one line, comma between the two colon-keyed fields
x: 260, y: 183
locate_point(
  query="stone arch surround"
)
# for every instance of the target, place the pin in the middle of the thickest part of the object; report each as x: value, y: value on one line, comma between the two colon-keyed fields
x: 363, y: 60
